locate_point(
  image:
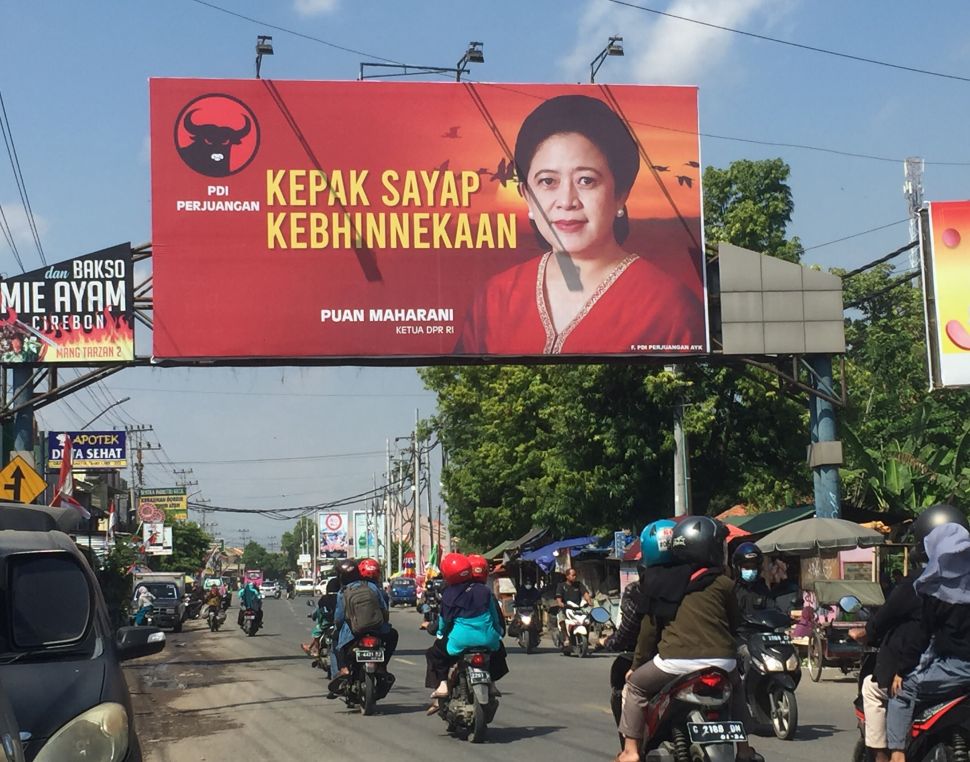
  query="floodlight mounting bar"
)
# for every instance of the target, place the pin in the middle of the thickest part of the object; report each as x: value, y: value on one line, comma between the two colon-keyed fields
x: 408, y: 70
x: 596, y: 63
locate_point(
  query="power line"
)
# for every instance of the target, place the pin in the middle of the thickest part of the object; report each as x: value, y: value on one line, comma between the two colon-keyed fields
x: 799, y: 45
x: 879, y: 261
x: 854, y: 235
x: 295, y: 458
x: 19, y: 177
x: 895, y: 284
x: 263, y: 394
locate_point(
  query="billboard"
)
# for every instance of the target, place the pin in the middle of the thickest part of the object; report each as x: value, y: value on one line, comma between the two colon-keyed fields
x: 170, y: 502
x: 76, y: 312
x: 945, y: 234
x: 89, y: 449
x: 297, y: 220
x: 157, y: 539
x: 368, y: 535
x: 335, y: 535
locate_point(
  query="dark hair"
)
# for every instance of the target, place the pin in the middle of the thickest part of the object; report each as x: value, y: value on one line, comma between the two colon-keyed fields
x: 595, y: 121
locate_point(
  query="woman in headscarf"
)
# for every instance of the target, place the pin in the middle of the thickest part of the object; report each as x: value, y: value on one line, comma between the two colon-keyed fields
x: 143, y: 604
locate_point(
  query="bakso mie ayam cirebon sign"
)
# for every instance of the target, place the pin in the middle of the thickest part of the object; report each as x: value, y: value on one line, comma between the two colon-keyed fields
x: 434, y: 220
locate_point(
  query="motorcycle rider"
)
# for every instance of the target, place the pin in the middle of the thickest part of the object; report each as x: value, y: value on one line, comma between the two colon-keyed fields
x: 944, y: 588
x: 322, y: 617
x: 348, y: 573
x: 143, y: 604
x: 251, y: 598
x: 290, y: 587
x: 654, y: 551
x: 896, y: 628
x: 469, y: 619
x: 699, y: 633
x: 370, y: 571
x: 570, y: 590
x: 752, y: 591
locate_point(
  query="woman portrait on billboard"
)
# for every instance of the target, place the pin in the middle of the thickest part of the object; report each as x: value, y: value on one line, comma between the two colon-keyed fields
x: 576, y: 163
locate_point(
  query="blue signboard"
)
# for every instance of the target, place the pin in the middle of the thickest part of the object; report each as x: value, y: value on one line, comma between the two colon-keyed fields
x: 90, y: 449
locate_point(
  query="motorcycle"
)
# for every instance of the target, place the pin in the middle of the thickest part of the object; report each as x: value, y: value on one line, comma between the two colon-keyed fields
x: 147, y: 619
x: 278, y: 594
x: 193, y: 607
x: 472, y: 700
x: 215, y: 616
x: 289, y: 594
x: 368, y: 681
x: 771, y: 671
x: 249, y: 623
x: 525, y: 627
x: 689, y: 720
x: 941, y: 729
x: 323, y: 641
x: 577, y: 624
x: 226, y: 600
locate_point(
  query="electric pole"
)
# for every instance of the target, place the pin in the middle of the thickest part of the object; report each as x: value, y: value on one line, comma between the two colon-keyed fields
x: 913, y: 190
x: 138, y: 466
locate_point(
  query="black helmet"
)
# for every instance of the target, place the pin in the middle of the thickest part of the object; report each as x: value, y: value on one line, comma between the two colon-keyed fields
x: 333, y: 586
x: 746, y: 553
x: 930, y: 519
x: 699, y: 540
x: 347, y: 571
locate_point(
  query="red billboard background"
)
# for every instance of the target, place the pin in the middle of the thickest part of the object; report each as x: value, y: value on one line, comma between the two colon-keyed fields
x: 238, y: 272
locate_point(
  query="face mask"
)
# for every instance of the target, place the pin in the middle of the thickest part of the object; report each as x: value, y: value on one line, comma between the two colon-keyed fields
x: 528, y: 585
x: 749, y: 575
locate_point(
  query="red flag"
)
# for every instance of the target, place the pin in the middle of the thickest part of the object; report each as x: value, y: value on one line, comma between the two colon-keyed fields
x: 64, y: 494
x: 112, y: 522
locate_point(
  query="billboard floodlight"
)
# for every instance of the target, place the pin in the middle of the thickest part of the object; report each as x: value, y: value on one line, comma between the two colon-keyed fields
x: 613, y: 48
x: 264, y: 47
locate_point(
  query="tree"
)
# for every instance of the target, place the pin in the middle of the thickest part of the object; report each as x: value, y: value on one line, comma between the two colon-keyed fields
x: 190, y: 544
x: 302, y: 538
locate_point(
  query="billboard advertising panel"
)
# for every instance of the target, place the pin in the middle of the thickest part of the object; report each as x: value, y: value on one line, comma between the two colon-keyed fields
x: 157, y: 539
x: 299, y: 220
x: 946, y: 270
x: 335, y: 535
x: 171, y: 503
x: 74, y: 312
x: 89, y: 449
x: 368, y: 535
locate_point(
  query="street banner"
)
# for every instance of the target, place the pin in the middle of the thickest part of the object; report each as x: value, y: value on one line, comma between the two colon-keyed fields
x: 299, y: 220
x: 335, y: 535
x: 945, y: 241
x: 90, y: 449
x: 76, y: 312
x: 171, y: 503
x: 157, y: 539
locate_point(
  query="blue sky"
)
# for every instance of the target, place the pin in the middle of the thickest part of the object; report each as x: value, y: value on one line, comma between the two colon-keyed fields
x: 74, y: 84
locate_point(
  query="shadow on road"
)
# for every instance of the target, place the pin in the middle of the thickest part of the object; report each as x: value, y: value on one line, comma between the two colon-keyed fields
x: 511, y: 735
x: 260, y: 702
x: 815, y: 732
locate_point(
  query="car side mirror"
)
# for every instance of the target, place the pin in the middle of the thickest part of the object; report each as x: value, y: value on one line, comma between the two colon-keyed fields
x: 135, y: 642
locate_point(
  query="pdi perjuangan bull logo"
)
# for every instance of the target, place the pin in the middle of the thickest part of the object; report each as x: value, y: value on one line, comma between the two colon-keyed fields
x: 211, y: 145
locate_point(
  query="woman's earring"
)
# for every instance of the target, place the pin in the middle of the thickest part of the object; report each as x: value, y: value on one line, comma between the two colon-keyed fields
x: 619, y: 213
x: 531, y: 216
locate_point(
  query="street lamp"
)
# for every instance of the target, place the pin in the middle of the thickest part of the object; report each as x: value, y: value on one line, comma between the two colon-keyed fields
x: 473, y: 54
x: 113, y: 404
x: 613, y: 48
x: 264, y: 47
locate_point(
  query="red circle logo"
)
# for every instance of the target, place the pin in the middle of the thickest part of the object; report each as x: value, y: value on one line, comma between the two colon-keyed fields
x: 216, y: 135
x: 333, y: 522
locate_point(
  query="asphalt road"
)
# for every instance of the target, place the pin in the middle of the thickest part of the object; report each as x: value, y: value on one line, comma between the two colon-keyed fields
x: 224, y: 696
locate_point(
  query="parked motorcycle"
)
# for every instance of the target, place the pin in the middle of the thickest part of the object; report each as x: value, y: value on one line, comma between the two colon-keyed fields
x: 578, y: 625
x: 472, y: 700
x: 249, y: 623
x: 771, y: 671
x: 215, y: 616
x: 193, y: 607
x: 526, y: 627
x: 368, y: 681
x: 689, y: 720
x: 941, y: 729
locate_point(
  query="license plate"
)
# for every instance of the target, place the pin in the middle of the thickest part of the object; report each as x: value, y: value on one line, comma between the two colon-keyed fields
x: 716, y: 732
x: 771, y: 638
x: 478, y: 676
x: 376, y: 654
x: 249, y: 617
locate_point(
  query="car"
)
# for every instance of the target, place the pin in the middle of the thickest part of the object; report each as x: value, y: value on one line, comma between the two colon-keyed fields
x: 270, y: 588
x: 321, y: 587
x: 9, y: 731
x: 304, y: 586
x: 61, y: 661
x: 404, y: 591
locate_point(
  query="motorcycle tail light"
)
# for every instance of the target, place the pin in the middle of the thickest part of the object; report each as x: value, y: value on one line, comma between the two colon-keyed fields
x: 707, y: 689
x: 369, y: 641
x: 477, y: 660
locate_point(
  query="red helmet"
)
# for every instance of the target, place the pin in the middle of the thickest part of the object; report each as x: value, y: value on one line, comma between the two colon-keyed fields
x: 369, y: 569
x: 456, y: 568
x: 479, y: 567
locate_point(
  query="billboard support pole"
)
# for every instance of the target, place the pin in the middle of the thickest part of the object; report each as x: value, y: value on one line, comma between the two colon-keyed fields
x: 681, y: 456
x: 416, y: 452
x: 23, y: 420
x: 825, y: 473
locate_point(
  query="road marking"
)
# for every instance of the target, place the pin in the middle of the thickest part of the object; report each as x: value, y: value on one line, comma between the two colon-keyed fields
x: 406, y: 661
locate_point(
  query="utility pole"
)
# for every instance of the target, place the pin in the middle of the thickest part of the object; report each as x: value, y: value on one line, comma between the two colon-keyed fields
x: 137, y: 466
x: 681, y: 456
x: 416, y: 453
x: 913, y: 190
x: 388, y: 516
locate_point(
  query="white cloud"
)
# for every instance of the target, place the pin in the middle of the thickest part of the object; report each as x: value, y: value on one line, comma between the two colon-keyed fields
x: 315, y: 7
x: 663, y: 50
x: 16, y: 217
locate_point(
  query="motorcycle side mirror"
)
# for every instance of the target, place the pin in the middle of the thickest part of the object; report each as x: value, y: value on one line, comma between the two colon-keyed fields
x: 425, y: 608
x: 599, y: 615
x: 850, y: 604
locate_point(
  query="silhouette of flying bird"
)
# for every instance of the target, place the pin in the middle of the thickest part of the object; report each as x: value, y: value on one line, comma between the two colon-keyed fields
x: 443, y: 167
x: 504, y: 173
x: 661, y: 168
x: 685, y: 180
x: 452, y: 132
x: 691, y: 164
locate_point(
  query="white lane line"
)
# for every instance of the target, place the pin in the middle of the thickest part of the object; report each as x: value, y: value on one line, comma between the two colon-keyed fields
x: 406, y: 661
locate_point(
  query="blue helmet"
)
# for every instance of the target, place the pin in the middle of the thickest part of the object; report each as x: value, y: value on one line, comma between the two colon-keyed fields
x: 655, y: 542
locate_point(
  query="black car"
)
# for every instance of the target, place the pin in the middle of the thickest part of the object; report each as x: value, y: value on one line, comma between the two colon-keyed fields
x: 59, y: 658
x: 9, y: 731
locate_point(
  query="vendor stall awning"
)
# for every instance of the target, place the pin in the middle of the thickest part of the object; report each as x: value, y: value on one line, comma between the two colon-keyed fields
x: 761, y: 523
x: 545, y: 556
x: 498, y: 550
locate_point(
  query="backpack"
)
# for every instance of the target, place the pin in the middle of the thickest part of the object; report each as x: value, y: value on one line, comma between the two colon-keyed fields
x: 363, y: 609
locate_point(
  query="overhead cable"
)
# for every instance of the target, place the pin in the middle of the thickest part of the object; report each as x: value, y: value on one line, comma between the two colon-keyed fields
x: 895, y: 284
x: 886, y: 258
x: 19, y: 178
